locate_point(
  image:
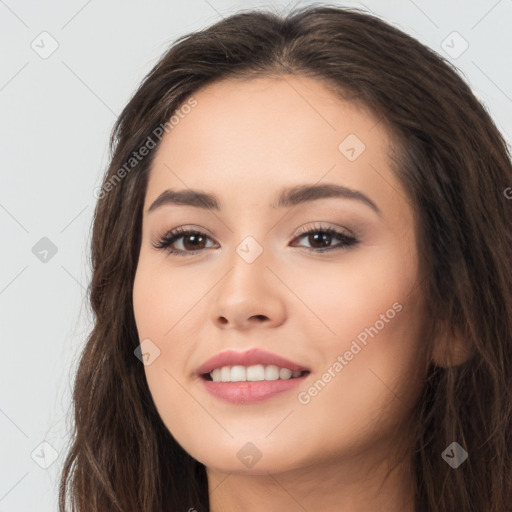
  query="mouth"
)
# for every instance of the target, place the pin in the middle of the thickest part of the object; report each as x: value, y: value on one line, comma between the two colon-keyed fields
x: 251, y: 376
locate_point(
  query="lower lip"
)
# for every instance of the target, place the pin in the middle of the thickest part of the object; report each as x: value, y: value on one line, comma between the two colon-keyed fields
x: 250, y: 392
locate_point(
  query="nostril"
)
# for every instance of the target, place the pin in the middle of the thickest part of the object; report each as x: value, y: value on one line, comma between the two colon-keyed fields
x: 260, y: 317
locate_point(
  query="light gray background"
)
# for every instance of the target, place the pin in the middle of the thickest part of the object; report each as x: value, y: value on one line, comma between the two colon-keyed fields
x: 56, y: 117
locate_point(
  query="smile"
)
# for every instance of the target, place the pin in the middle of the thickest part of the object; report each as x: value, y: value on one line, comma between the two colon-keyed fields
x: 251, y: 376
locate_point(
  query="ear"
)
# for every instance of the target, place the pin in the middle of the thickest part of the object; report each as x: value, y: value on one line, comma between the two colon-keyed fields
x: 451, y: 348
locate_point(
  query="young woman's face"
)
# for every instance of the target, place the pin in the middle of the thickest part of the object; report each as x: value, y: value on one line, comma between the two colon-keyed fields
x: 344, y: 306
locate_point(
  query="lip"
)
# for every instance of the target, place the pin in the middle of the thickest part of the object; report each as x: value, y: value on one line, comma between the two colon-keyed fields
x: 249, y: 391
x: 248, y: 358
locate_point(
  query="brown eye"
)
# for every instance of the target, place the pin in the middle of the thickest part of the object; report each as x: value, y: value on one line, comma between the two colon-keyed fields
x: 320, y: 239
x: 192, y: 242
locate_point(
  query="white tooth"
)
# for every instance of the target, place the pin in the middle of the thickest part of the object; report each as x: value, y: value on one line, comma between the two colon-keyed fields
x: 238, y: 374
x: 225, y: 374
x: 256, y: 372
x: 284, y: 373
x: 271, y: 372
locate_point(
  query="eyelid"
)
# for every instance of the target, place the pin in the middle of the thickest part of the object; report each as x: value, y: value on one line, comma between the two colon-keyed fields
x: 322, y: 226
x: 185, y: 228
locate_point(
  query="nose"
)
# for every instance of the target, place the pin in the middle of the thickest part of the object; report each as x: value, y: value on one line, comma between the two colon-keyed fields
x: 249, y: 296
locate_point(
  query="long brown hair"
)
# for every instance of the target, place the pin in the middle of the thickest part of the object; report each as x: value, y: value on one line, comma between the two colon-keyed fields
x: 454, y: 165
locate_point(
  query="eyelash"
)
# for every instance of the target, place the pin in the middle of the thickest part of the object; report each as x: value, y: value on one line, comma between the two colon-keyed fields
x: 169, y: 238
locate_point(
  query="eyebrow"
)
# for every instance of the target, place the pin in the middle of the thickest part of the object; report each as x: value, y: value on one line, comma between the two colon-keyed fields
x: 288, y: 197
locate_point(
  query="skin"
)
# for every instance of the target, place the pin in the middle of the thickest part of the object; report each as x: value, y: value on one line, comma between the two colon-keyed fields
x: 244, y: 142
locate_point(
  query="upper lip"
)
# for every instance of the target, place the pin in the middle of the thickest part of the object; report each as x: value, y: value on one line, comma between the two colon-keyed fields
x: 247, y: 358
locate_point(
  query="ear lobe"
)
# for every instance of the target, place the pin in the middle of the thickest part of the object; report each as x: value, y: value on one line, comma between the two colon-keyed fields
x: 451, y: 349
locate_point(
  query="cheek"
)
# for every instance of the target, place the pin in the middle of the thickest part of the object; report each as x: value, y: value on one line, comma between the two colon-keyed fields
x: 341, y: 299
x: 369, y: 314
x: 163, y: 298
x: 364, y: 390
x: 164, y: 311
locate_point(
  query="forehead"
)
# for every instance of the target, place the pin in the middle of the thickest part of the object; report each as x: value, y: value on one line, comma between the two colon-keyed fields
x: 250, y: 137
x: 271, y: 114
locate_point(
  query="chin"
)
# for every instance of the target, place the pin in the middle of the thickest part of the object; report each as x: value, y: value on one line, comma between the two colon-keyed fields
x: 246, y: 457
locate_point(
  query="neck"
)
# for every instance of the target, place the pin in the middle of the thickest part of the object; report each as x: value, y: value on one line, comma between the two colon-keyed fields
x: 353, y: 485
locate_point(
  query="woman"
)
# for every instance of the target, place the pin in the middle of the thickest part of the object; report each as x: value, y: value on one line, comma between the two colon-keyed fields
x: 301, y: 281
